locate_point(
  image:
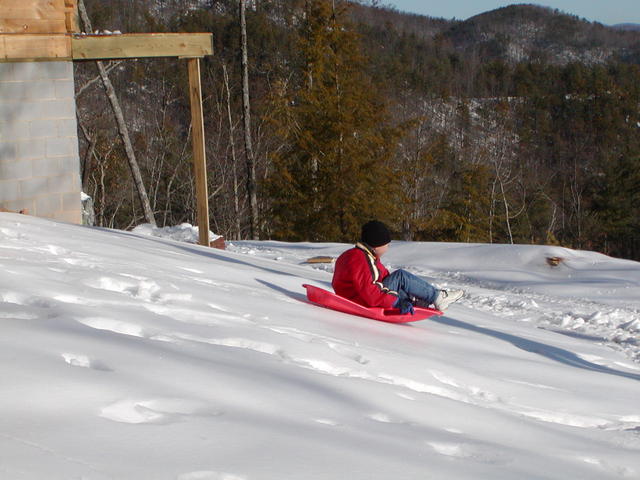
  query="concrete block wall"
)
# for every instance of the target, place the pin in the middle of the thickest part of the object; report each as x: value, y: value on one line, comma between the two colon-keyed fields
x: 39, y: 160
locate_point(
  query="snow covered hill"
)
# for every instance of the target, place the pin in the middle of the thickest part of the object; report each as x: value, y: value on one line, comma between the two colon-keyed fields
x: 124, y: 356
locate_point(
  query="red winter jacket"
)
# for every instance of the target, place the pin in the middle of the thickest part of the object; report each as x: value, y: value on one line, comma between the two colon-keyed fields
x: 358, y: 276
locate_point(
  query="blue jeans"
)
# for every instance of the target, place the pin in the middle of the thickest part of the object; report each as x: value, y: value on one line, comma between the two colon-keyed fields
x: 410, y: 286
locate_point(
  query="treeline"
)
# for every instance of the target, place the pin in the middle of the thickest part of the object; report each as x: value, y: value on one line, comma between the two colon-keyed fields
x: 358, y: 113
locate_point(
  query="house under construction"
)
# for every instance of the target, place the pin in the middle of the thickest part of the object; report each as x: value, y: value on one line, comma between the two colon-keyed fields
x: 39, y: 159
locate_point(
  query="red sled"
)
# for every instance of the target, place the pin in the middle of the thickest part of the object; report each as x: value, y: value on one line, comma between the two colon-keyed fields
x: 330, y: 300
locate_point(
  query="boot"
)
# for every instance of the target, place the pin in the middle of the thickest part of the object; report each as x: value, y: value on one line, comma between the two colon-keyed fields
x: 446, y: 298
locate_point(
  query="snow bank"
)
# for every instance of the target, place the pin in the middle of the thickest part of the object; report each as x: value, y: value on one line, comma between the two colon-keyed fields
x: 184, y: 232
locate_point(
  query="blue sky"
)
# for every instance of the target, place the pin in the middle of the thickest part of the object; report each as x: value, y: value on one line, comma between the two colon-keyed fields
x: 608, y: 12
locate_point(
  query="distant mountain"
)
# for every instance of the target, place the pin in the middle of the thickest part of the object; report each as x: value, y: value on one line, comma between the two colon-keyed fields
x: 421, y: 26
x: 529, y: 32
x: 627, y: 26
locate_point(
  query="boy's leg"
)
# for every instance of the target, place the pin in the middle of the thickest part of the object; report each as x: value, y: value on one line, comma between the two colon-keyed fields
x: 411, y: 286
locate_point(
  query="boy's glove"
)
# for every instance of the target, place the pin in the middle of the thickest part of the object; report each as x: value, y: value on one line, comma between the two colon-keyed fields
x: 404, y: 305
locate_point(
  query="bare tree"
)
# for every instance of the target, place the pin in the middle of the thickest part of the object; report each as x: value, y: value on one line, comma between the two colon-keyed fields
x: 236, y: 198
x: 122, y: 126
x: 251, y: 164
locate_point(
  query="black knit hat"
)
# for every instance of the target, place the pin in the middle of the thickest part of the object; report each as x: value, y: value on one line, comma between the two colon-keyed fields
x: 375, y: 234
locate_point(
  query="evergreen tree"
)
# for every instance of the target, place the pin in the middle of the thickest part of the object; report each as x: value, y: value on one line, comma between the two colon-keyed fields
x: 618, y: 208
x: 463, y: 217
x: 333, y: 172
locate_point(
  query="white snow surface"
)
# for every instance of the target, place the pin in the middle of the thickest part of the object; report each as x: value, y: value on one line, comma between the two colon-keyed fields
x: 185, y: 232
x: 125, y: 356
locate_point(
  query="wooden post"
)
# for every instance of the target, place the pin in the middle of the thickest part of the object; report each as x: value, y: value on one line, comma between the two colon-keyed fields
x: 199, y: 156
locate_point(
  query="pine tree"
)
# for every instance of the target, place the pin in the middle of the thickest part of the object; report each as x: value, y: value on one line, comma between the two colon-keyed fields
x: 618, y: 208
x: 463, y: 215
x: 333, y: 172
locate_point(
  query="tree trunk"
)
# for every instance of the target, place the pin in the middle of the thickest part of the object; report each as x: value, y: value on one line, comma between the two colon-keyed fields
x: 236, y: 189
x: 251, y: 166
x: 122, y: 126
x: 87, y: 164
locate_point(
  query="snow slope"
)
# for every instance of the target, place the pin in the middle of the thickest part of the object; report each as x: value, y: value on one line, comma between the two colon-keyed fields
x: 124, y: 356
